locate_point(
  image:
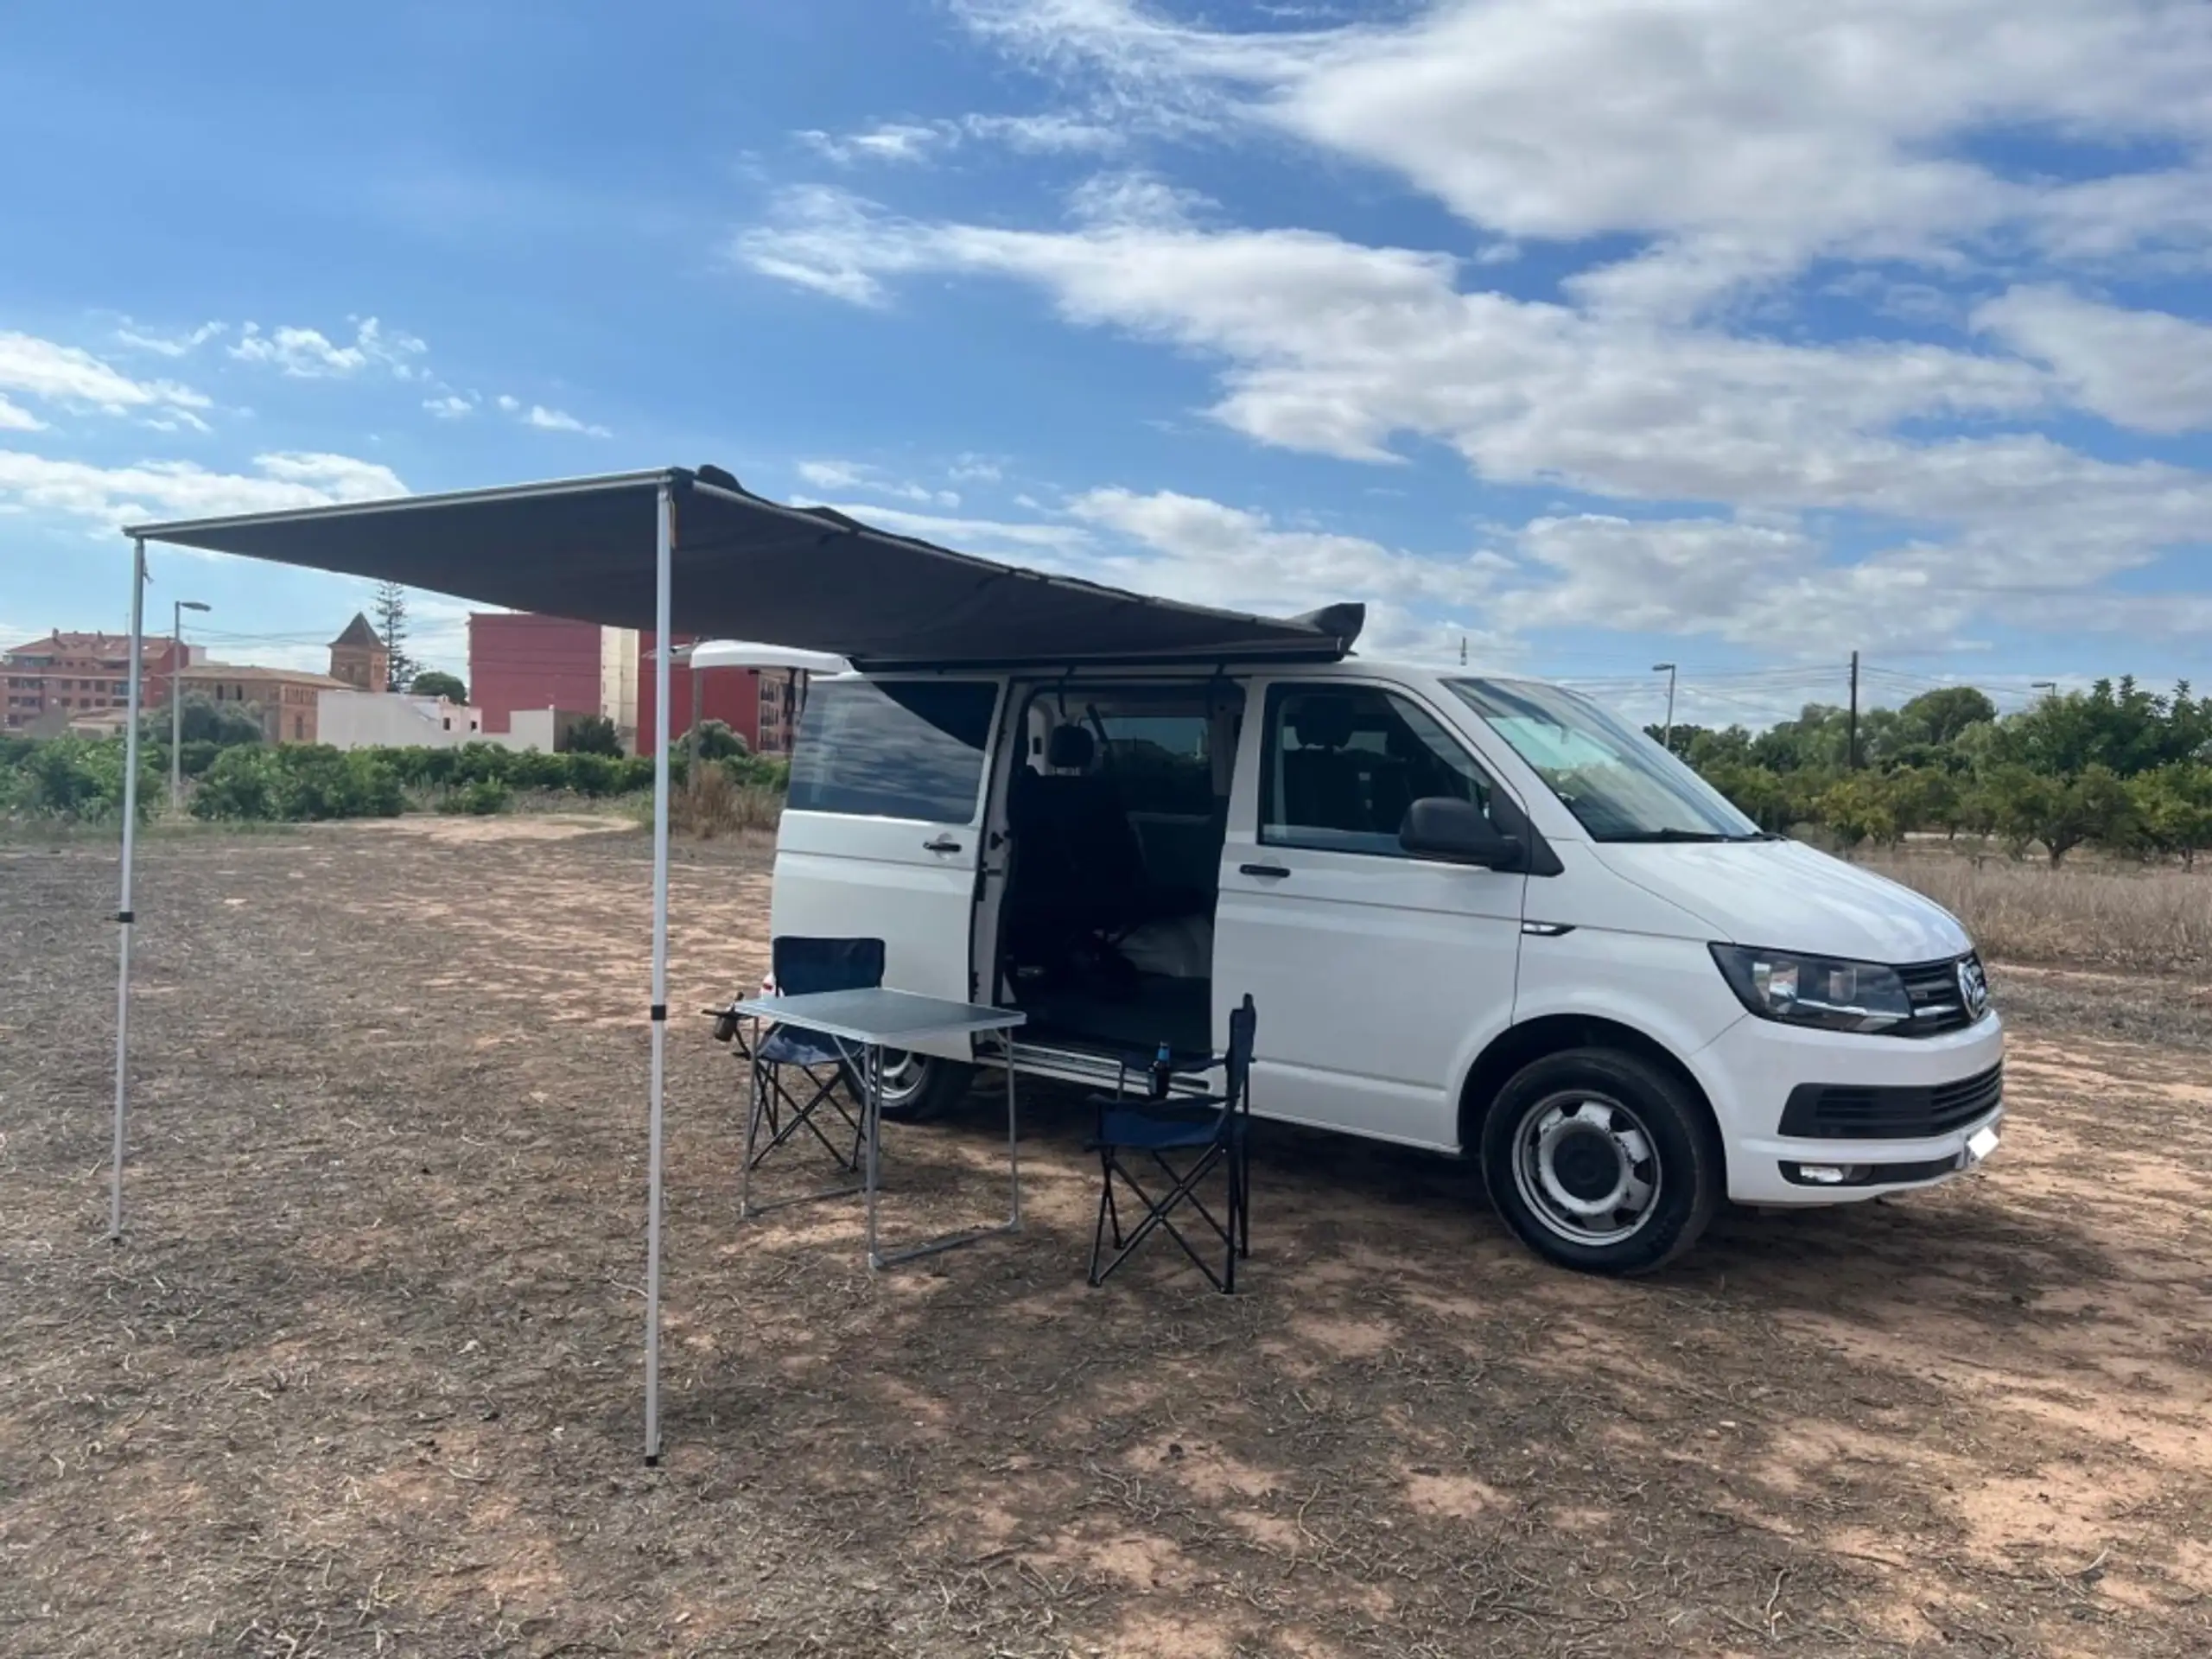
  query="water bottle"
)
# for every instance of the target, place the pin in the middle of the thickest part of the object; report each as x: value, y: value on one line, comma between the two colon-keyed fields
x: 1163, y: 1068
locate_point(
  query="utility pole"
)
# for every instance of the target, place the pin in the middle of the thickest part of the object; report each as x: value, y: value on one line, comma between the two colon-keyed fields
x: 1667, y: 732
x: 1854, y: 712
x: 176, y: 702
x: 1463, y: 650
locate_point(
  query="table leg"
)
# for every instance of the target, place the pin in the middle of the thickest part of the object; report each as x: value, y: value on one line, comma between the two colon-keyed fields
x: 1012, y: 1140
x: 872, y: 1119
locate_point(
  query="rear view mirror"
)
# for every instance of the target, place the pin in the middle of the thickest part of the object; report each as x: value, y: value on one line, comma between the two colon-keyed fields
x: 1443, y: 826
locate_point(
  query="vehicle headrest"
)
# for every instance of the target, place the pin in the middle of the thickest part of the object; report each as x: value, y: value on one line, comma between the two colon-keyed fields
x: 1070, y: 749
x: 1321, y: 723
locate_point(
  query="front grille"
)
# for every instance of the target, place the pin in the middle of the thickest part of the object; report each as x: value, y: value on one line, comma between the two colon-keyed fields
x: 1937, y: 1004
x: 1835, y: 1111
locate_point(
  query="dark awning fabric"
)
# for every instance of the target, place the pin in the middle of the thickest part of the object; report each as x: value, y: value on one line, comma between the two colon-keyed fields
x: 752, y: 568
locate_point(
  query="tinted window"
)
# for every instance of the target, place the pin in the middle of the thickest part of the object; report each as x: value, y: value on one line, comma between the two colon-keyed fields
x: 1342, y: 764
x: 893, y: 749
x: 1159, y: 762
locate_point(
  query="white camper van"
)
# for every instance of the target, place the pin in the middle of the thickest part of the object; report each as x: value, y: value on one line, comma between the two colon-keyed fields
x: 1477, y: 914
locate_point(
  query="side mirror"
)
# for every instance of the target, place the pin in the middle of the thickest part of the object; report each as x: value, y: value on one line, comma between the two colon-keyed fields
x: 1443, y: 826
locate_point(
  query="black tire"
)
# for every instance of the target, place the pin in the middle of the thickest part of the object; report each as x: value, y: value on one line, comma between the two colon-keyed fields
x: 916, y: 1087
x: 1601, y: 1161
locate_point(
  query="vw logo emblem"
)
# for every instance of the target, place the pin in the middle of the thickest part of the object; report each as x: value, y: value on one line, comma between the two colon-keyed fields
x: 1974, y: 987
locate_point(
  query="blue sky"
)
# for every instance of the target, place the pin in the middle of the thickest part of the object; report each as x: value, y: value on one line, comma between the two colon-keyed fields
x: 1738, y: 334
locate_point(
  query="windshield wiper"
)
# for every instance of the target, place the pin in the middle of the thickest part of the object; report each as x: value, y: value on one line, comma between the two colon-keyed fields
x: 1677, y: 836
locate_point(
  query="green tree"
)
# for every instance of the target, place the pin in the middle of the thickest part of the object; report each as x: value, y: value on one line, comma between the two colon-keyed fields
x: 391, y: 608
x: 2061, y: 812
x: 593, y: 735
x: 717, y: 741
x: 1756, y: 793
x: 1939, y: 717
x: 1857, y: 808
x: 1923, y: 797
x: 206, y: 720
x: 436, y: 683
x: 2173, y: 808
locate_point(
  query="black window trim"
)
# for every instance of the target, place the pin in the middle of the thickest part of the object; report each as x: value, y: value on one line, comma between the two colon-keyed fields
x: 1507, y: 809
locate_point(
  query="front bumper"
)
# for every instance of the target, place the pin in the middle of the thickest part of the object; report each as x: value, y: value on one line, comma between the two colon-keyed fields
x: 1749, y: 1070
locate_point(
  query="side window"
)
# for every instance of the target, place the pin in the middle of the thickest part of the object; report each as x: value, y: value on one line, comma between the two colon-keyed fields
x: 894, y: 749
x: 1343, y: 762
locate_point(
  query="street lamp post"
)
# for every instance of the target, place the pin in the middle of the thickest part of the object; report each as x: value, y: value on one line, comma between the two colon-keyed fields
x: 176, y: 701
x: 2049, y: 688
x: 1667, y: 738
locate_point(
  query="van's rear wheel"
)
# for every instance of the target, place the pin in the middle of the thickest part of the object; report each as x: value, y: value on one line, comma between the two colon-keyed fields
x: 1600, y: 1162
x: 916, y: 1087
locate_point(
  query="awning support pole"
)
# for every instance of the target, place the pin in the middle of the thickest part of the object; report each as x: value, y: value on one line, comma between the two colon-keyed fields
x: 123, y: 915
x: 665, y: 541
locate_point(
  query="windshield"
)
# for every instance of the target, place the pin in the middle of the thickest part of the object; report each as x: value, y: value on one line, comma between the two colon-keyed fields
x: 1618, y: 783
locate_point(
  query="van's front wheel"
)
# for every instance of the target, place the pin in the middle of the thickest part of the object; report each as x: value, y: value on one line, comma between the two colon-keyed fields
x: 1600, y: 1162
x: 916, y: 1087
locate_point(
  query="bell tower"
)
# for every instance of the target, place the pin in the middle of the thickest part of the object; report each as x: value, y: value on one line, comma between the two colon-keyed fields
x: 359, y: 657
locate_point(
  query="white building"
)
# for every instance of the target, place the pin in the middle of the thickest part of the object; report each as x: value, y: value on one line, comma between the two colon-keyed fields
x: 393, y: 719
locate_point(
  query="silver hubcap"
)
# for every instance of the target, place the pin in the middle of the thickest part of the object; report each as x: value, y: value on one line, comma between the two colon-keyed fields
x: 902, y: 1075
x: 1586, y: 1166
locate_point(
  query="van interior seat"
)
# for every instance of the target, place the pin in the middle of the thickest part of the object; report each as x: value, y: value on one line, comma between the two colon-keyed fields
x: 1322, y: 788
x: 1079, y: 864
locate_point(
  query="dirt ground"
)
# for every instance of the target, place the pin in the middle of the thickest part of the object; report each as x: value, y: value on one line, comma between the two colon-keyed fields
x: 365, y: 1377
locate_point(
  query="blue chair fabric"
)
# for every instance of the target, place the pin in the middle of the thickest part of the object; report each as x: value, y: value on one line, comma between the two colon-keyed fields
x: 803, y: 966
x: 1136, y: 1142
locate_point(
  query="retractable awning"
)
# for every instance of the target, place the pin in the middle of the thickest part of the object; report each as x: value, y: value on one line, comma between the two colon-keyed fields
x: 744, y: 566
x: 677, y: 550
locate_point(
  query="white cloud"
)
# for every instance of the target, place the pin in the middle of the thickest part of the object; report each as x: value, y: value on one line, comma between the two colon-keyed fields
x: 896, y: 141
x: 167, y: 345
x: 555, y: 420
x: 1329, y: 347
x: 73, y: 377
x: 16, y: 418
x: 308, y: 354
x: 1050, y: 134
x: 1209, y: 554
x: 1703, y: 169
x: 111, y: 497
x: 831, y: 475
x: 2142, y: 369
x: 858, y: 475
x: 507, y: 404
x: 910, y: 142
x: 450, y: 407
x: 971, y: 468
x: 1746, y: 137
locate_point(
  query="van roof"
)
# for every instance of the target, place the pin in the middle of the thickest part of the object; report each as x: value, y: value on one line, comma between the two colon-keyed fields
x: 754, y: 569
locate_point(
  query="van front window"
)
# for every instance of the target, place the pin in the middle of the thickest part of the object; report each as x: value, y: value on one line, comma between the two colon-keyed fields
x: 1619, y: 784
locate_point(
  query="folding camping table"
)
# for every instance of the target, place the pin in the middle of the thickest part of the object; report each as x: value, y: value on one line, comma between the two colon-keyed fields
x: 874, y: 1020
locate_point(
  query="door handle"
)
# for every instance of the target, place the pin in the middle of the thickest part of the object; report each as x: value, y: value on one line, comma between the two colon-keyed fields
x: 1263, y: 870
x: 941, y: 844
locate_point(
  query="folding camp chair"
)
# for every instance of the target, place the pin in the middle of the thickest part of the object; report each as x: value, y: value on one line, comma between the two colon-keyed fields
x: 1164, y: 1131
x: 802, y: 967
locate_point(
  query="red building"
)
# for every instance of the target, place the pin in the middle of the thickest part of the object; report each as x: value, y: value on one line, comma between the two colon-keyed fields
x: 63, y: 676
x: 518, y: 661
x: 760, y: 705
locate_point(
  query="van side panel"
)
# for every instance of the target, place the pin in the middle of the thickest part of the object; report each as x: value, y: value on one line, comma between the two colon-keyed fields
x: 909, y: 881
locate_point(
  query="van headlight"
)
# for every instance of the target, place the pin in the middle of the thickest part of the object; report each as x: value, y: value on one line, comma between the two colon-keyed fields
x: 1825, y: 991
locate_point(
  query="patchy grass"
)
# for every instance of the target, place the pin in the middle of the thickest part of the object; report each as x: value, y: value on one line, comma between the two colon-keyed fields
x: 365, y: 1378
x: 2109, y: 916
x: 711, y: 805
